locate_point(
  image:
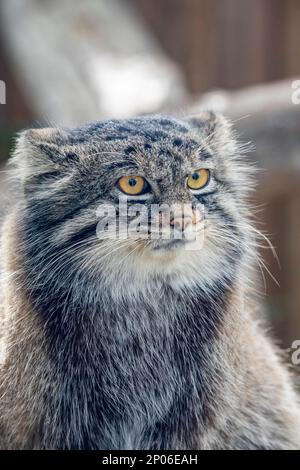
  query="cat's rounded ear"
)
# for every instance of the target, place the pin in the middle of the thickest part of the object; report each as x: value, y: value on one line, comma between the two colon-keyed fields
x: 39, y: 152
x: 215, y: 129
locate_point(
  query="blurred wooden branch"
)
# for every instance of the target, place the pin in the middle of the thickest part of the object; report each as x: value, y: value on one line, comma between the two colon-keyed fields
x: 266, y: 116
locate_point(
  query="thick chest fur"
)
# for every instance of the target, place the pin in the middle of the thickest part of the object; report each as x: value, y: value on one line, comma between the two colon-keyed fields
x: 130, y: 374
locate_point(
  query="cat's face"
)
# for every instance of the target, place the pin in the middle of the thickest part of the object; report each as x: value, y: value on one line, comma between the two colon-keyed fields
x: 150, y: 195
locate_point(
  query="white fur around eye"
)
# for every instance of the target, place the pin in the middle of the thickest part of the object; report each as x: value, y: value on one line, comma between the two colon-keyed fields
x: 210, y: 186
x: 142, y: 197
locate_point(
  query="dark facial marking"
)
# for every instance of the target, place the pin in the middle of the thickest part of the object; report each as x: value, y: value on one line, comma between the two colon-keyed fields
x: 71, y: 156
x: 124, y: 129
x: 129, y: 150
x: 177, y: 142
x: 205, y: 154
x: 109, y: 138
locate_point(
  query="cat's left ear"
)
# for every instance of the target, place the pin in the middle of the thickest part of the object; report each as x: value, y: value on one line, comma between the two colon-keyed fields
x: 215, y: 129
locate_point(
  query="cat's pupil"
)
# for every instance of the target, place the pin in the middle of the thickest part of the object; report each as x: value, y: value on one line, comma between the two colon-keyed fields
x: 132, y: 182
x: 195, y: 176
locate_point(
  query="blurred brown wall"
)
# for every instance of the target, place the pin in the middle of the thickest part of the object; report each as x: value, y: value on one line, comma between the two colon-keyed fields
x: 227, y: 43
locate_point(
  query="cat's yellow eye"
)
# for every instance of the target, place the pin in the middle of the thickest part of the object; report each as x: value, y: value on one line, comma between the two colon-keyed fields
x: 198, y: 179
x: 132, y: 185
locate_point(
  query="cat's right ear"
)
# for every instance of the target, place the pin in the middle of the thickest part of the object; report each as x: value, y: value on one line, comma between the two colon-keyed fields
x: 40, y: 152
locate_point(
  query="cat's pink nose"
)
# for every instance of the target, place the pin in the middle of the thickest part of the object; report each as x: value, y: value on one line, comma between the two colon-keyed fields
x: 181, y: 223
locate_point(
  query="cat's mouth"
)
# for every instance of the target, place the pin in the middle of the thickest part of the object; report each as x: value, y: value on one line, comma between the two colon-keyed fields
x: 185, y: 241
x: 168, y: 245
x: 171, y: 241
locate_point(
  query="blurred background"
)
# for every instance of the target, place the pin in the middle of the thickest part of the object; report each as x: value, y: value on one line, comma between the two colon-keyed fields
x: 66, y: 62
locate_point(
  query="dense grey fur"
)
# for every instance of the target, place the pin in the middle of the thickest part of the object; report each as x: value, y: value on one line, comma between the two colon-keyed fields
x: 114, y: 345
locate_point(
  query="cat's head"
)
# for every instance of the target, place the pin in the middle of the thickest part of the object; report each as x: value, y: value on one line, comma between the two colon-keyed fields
x: 150, y: 196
